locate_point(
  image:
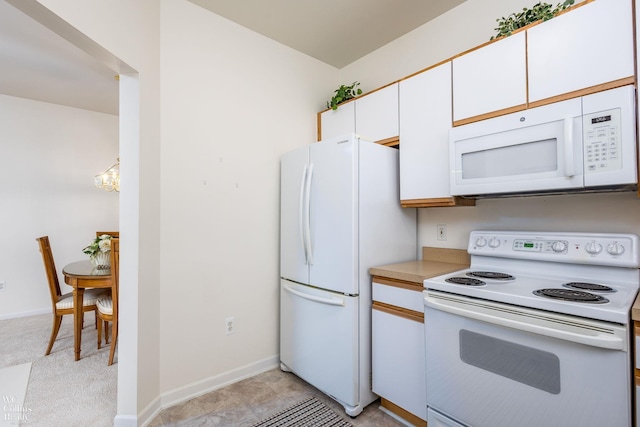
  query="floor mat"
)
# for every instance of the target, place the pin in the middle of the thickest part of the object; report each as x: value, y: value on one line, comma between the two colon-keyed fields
x: 308, y: 413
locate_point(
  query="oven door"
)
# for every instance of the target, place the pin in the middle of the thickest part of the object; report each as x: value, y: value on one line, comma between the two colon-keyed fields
x: 495, y: 365
x: 534, y: 150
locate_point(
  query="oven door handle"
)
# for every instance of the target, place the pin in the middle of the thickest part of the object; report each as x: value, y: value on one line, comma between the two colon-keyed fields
x: 568, y: 328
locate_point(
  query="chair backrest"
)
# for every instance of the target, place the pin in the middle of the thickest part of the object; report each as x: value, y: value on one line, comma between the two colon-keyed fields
x: 115, y: 273
x: 110, y: 233
x: 50, y: 269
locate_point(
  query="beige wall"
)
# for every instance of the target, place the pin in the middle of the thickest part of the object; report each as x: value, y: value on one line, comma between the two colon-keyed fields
x: 229, y: 110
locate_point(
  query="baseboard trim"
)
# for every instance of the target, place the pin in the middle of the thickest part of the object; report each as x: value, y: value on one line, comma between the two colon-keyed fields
x: 207, y: 385
x: 125, y: 421
x: 26, y: 313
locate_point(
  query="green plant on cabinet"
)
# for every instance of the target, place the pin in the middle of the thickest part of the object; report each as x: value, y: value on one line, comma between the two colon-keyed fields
x: 344, y: 93
x: 538, y: 12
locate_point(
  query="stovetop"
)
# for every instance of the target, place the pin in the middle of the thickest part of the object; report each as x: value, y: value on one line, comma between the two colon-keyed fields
x: 550, y: 261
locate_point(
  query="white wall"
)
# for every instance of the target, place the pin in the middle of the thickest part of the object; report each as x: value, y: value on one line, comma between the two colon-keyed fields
x: 229, y: 111
x: 49, y: 155
x: 468, y: 25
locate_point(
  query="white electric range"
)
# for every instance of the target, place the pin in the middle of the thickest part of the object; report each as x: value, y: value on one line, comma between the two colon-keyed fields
x: 527, y: 319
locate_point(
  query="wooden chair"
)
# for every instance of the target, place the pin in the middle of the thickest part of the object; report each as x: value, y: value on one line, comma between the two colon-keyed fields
x: 110, y: 233
x: 107, y: 306
x: 62, y: 304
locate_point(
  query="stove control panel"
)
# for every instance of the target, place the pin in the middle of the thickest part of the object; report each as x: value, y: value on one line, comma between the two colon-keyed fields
x: 610, y: 249
x: 550, y: 246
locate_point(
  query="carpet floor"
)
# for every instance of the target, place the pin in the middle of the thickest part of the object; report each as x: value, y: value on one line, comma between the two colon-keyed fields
x: 61, y: 391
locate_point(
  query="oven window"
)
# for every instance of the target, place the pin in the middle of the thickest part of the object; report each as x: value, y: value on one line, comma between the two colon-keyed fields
x: 520, y: 159
x: 527, y: 365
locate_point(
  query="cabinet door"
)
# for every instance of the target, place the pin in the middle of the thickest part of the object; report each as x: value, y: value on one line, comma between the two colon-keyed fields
x: 338, y: 122
x: 490, y: 79
x: 398, y: 356
x: 588, y: 46
x: 425, y: 120
x: 377, y: 114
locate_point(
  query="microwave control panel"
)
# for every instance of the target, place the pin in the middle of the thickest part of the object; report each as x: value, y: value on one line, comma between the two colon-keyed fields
x: 602, y: 141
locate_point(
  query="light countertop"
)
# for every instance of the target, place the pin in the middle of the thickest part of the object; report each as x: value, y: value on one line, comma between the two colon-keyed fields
x: 434, y: 262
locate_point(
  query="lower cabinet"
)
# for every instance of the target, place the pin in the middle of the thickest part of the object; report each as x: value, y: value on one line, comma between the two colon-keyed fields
x: 398, y: 349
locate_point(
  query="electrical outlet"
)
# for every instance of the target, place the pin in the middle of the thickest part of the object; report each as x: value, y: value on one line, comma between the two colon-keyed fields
x: 2, y: 285
x: 229, y: 326
x: 441, y: 230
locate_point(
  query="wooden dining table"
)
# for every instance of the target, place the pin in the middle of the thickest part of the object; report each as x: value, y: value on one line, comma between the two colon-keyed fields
x: 82, y: 275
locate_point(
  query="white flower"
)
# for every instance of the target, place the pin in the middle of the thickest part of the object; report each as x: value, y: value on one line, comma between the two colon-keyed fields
x: 105, y: 244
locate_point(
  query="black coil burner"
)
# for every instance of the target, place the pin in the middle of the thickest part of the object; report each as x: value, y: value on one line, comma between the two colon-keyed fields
x: 491, y: 275
x: 571, y: 295
x: 466, y: 281
x: 589, y: 286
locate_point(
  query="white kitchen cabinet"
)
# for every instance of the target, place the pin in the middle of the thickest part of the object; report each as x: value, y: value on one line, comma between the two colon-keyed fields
x: 589, y: 46
x: 425, y: 120
x: 491, y: 78
x: 342, y: 121
x: 398, y: 349
x: 373, y: 116
x: 377, y: 115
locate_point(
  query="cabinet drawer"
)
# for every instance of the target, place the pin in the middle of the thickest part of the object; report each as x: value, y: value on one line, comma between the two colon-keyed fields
x: 400, y: 297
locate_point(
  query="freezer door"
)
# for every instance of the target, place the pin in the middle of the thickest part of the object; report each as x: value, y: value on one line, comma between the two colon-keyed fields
x: 333, y: 215
x: 293, y: 169
x: 319, y: 339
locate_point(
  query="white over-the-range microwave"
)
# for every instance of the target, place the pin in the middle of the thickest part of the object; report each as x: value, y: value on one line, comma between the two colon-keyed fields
x: 577, y: 145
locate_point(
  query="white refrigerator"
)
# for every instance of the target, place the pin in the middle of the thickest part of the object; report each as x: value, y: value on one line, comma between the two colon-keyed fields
x: 340, y: 215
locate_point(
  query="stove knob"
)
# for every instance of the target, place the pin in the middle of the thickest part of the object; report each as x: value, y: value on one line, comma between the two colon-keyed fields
x: 559, y: 246
x: 481, y: 242
x: 593, y: 248
x: 494, y: 243
x: 615, y: 249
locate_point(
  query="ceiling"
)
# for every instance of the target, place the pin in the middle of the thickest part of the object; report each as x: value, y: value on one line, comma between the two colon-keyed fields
x: 40, y: 65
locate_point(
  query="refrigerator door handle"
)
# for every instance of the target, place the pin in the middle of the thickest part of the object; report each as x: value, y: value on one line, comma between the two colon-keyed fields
x: 307, y: 219
x: 301, y: 221
x: 329, y: 301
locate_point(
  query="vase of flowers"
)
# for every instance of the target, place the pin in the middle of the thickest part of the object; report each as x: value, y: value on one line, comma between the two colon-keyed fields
x: 99, y: 251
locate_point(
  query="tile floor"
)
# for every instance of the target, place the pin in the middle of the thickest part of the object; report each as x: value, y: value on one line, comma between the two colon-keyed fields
x: 249, y: 401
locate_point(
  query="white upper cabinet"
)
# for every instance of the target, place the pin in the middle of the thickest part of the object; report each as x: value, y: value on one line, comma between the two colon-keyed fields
x: 377, y: 114
x: 491, y: 78
x: 585, y: 47
x: 338, y: 122
x: 373, y: 116
x: 425, y: 120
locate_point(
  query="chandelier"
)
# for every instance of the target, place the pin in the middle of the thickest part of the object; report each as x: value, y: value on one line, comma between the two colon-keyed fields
x: 109, y: 180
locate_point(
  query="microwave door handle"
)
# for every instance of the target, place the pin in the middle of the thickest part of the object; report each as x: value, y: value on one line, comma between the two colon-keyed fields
x: 569, y: 164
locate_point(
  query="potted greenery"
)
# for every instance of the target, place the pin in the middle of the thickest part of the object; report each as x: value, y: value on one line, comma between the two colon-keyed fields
x: 539, y: 12
x: 344, y: 93
x: 99, y: 251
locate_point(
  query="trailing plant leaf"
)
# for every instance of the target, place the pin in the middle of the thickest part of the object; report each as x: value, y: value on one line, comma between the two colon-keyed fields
x: 539, y: 12
x: 344, y: 93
